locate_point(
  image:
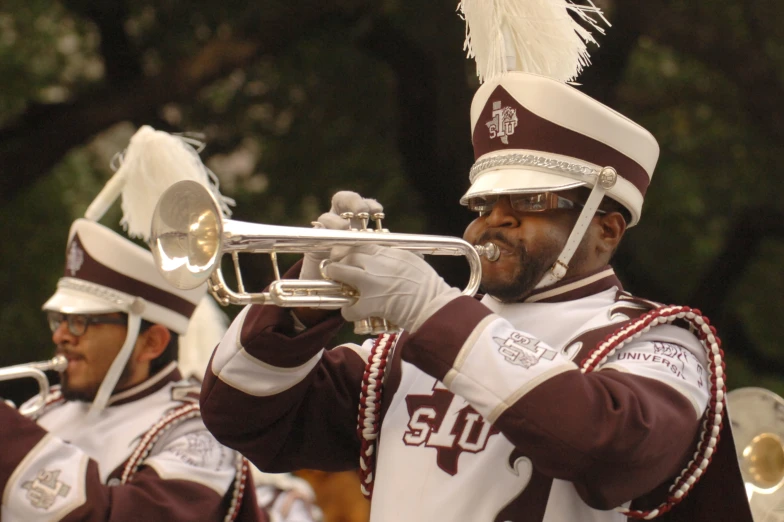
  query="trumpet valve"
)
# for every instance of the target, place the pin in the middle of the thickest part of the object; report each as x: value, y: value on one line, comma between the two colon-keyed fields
x: 364, y: 217
x: 349, y: 216
x: 377, y: 217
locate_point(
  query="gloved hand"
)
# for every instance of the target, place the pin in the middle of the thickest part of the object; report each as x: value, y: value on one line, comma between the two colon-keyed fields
x: 394, y: 284
x: 343, y: 201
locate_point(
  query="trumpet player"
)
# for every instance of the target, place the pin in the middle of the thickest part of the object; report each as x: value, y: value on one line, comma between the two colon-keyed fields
x: 557, y: 396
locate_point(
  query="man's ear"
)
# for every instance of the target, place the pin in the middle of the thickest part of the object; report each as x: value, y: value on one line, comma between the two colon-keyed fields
x: 612, y: 227
x: 152, y: 343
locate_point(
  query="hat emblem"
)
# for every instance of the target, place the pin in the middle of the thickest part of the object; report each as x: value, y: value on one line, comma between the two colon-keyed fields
x: 503, y: 123
x: 75, y: 258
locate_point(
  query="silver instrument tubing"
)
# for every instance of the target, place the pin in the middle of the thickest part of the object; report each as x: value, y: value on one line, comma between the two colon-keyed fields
x: 189, y: 238
x: 35, y: 370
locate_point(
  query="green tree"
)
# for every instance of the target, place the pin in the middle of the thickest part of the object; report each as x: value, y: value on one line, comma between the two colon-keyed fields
x: 299, y: 99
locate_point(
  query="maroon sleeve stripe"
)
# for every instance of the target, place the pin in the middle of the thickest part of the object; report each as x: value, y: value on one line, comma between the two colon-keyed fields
x: 615, y: 435
x: 435, y: 346
x: 268, y: 335
x: 286, y: 431
x: 19, y: 435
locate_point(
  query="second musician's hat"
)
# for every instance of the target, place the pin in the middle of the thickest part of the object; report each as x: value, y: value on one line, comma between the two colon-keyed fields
x: 106, y: 272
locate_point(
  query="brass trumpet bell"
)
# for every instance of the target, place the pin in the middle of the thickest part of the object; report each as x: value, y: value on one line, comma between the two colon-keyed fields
x: 757, y: 417
x: 187, y: 235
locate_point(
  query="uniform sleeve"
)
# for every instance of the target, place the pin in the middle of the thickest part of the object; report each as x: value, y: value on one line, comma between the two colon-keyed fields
x: 280, y: 398
x: 615, y: 433
x: 46, y: 478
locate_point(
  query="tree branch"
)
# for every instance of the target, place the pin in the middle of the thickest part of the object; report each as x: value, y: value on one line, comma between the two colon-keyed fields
x: 600, y: 81
x: 434, y: 170
x: 121, y: 61
x: 743, y: 61
x: 744, y: 238
x: 40, y: 137
x: 44, y: 134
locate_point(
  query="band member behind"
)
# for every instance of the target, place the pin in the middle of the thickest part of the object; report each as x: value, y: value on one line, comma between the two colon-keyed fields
x: 285, y: 497
x: 121, y: 438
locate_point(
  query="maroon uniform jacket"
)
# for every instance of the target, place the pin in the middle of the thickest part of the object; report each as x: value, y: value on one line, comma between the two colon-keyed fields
x: 484, y: 414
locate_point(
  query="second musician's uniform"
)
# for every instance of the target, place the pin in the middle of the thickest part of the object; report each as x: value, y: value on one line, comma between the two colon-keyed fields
x: 69, y: 467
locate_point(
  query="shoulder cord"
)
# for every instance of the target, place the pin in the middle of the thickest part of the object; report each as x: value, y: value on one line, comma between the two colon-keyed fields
x: 712, y: 418
x: 368, y: 419
x: 169, y: 421
x: 372, y: 386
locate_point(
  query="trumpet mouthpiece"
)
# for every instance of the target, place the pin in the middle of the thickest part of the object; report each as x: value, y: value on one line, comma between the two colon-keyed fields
x: 489, y: 251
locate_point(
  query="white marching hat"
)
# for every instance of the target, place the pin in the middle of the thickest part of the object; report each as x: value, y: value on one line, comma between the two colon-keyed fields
x: 105, y: 272
x: 533, y: 134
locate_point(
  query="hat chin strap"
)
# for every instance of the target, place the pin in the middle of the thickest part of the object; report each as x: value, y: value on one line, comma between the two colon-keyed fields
x: 605, y: 181
x: 117, y: 367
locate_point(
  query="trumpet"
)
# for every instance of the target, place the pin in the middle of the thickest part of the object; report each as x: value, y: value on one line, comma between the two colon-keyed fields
x: 189, y: 238
x: 35, y: 371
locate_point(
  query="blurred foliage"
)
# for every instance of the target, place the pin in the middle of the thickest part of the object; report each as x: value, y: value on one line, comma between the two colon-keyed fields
x: 340, y: 96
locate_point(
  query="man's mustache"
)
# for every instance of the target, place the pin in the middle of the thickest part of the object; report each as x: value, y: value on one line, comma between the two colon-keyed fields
x: 496, y: 236
x: 66, y: 351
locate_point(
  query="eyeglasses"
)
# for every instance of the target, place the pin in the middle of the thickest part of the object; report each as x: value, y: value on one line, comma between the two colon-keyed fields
x: 78, y: 323
x: 525, y: 202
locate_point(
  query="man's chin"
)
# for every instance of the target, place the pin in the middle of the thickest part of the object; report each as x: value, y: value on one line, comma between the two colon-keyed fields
x: 507, y: 293
x: 76, y: 395
x: 511, y: 291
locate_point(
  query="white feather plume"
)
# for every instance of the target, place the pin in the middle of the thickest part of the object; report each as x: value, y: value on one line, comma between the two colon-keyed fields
x: 533, y: 36
x: 153, y: 161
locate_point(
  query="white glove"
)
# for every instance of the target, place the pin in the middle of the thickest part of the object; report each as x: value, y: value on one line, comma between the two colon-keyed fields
x: 394, y: 284
x: 343, y: 201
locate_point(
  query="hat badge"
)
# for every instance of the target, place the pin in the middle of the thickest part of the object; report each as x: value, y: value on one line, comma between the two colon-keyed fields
x: 75, y: 258
x: 503, y: 123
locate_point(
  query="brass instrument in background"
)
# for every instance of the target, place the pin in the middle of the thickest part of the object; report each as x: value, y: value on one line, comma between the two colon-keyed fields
x: 757, y: 417
x: 189, y: 238
x: 35, y: 370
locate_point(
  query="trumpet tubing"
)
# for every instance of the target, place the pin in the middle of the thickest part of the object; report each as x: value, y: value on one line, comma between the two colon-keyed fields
x: 35, y: 370
x: 189, y: 238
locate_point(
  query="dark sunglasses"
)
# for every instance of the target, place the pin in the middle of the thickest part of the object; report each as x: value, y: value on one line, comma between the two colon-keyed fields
x: 539, y: 202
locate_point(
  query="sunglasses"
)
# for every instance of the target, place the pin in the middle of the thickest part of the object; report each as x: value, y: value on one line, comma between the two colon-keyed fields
x: 78, y: 323
x: 539, y: 202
